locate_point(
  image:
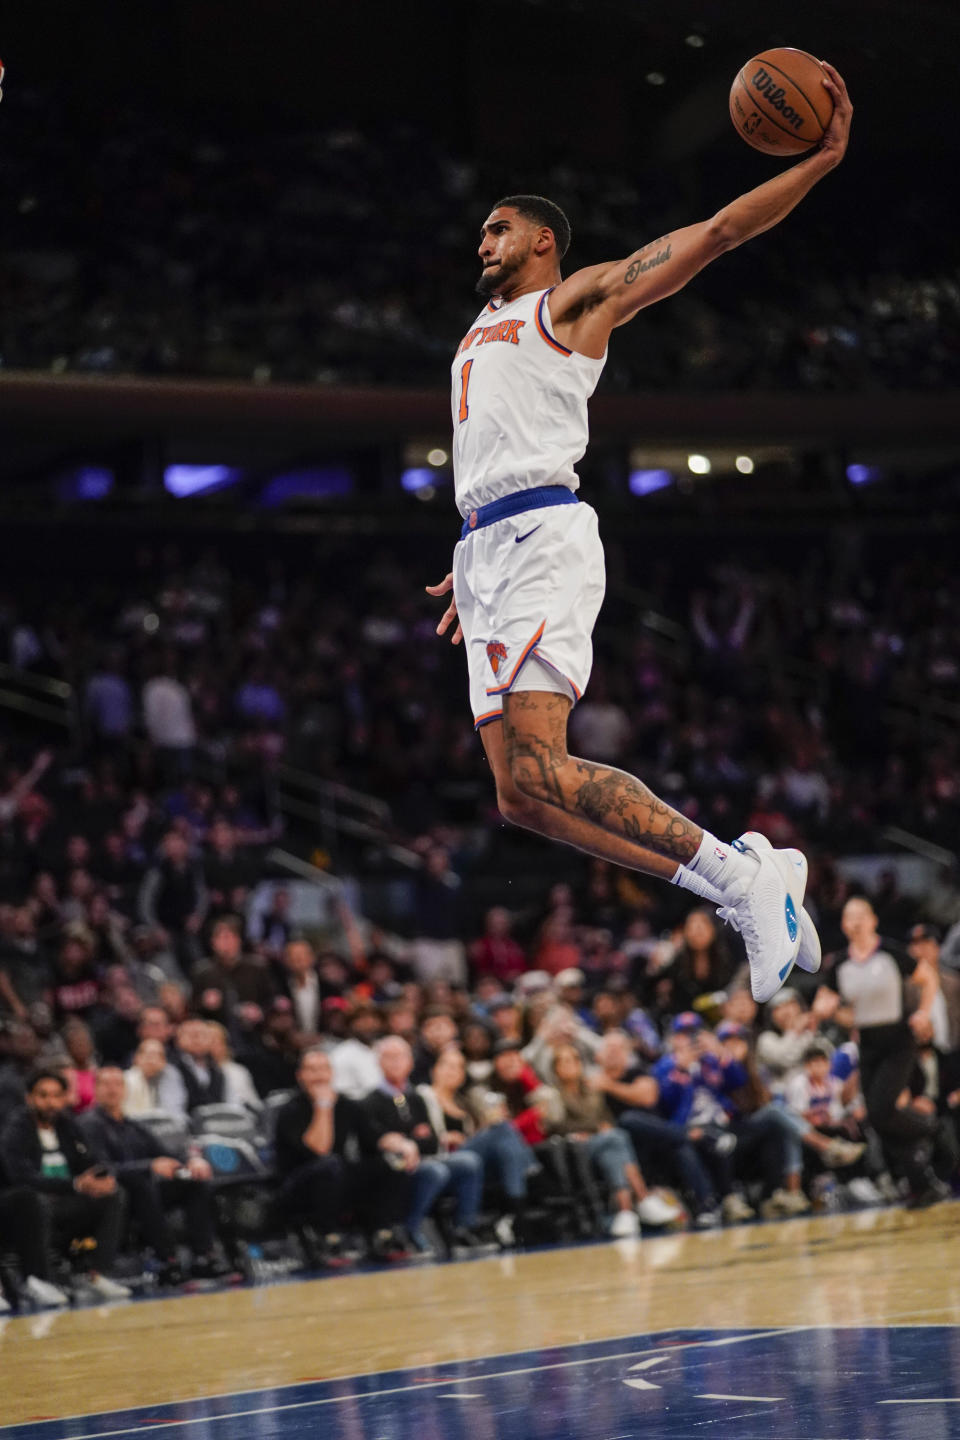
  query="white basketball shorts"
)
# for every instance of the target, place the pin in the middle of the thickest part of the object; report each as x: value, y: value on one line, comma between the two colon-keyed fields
x: 528, y: 589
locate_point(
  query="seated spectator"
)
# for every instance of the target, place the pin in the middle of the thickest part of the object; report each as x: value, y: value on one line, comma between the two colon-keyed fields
x: 497, y: 953
x: 152, y: 1083
x: 785, y: 1038
x: 356, y: 1068
x: 528, y: 1099
x: 230, y: 979
x: 238, y: 1086
x: 583, y: 1118
x: 661, y: 1146
x: 24, y: 1229
x: 153, y: 1181
x: 201, y: 1074
x: 301, y: 986
x: 272, y: 1051
x: 559, y: 1026
x: 75, y: 989
x: 477, y: 1051
x: 43, y: 1148
x: 225, y: 867
x: 19, y: 1053
x: 81, y: 1073
x: 763, y: 1130
x: 314, y: 1131
x: 687, y: 1100
x: 400, y: 1126
x: 438, y: 1029
x: 506, y: 1017
x: 173, y: 897
x: 703, y: 964
x: 482, y: 1127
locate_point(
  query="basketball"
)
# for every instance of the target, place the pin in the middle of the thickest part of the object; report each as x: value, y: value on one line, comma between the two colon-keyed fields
x: 778, y: 102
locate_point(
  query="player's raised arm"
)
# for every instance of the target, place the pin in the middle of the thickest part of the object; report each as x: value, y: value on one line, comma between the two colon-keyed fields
x: 585, y: 307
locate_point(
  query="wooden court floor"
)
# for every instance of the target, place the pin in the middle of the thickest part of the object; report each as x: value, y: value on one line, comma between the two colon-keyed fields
x: 876, y: 1268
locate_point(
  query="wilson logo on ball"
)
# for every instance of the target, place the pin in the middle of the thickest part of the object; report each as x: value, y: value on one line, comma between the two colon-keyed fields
x: 775, y: 94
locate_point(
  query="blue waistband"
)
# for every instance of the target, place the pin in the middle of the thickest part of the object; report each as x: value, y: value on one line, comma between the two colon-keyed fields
x: 537, y: 498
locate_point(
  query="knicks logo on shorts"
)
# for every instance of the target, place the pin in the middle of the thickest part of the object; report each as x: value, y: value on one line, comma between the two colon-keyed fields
x: 495, y: 653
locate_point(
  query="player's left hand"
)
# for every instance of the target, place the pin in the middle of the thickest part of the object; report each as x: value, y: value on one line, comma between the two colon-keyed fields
x: 450, y: 614
x: 837, y: 134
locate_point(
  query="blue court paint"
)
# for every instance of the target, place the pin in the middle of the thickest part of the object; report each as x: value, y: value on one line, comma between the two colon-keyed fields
x: 871, y: 1383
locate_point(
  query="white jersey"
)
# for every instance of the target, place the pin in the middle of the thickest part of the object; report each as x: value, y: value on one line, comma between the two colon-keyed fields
x: 519, y: 403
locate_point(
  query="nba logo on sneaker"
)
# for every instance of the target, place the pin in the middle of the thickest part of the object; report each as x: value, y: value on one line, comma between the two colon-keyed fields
x: 790, y: 915
x: 720, y: 854
x: 496, y: 651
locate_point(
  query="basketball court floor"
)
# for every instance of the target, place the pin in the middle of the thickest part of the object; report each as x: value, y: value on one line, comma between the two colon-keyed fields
x: 834, y: 1328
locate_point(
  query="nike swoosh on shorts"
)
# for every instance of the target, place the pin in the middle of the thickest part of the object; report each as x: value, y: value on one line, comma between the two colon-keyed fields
x: 519, y: 539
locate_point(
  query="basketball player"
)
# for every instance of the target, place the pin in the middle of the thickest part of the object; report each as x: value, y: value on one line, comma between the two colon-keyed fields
x: 528, y: 572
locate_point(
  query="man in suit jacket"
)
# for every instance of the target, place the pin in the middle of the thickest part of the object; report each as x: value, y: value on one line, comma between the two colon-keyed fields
x: 154, y: 1181
x: 202, y: 1076
x: 399, y: 1124
x: 44, y: 1148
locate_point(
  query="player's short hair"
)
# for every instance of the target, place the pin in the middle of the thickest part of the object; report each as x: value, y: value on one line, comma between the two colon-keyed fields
x: 542, y: 212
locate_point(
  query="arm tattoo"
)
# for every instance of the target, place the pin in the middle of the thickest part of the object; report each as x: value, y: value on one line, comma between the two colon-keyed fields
x: 644, y: 261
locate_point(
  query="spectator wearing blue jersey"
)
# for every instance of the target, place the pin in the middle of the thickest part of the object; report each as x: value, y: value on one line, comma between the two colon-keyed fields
x: 686, y: 1097
x: 662, y: 1147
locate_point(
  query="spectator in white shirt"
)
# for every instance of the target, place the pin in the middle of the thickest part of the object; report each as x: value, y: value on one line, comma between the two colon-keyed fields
x: 356, y: 1068
x: 168, y: 718
x: 302, y: 984
x: 152, y: 1084
x: 238, y: 1086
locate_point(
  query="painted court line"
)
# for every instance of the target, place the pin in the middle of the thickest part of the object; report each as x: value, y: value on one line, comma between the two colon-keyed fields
x: 943, y: 1400
x: 427, y: 1385
x: 760, y: 1399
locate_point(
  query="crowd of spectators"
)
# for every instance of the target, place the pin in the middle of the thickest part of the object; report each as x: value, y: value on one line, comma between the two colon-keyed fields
x: 393, y: 1116
x: 585, y: 1045
x: 783, y: 700
x: 161, y: 249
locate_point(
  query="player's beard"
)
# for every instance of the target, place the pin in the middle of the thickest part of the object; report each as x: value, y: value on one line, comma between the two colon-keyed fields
x: 492, y: 280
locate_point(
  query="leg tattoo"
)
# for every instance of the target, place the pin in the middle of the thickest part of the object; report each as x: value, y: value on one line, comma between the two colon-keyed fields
x: 535, y: 736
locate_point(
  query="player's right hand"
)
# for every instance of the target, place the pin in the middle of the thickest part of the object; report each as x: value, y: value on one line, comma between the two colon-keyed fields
x: 450, y: 614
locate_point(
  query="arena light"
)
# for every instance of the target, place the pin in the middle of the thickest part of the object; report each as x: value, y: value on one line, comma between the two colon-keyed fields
x: 655, y: 77
x: 417, y: 478
x: 324, y: 482
x: 864, y: 474
x: 437, y: 457
x: 186, y: 480
x: 696, y: 42
x: 699, y: 464
x: 744, y: 464
x: 648, y: 482
x: 87, y: 482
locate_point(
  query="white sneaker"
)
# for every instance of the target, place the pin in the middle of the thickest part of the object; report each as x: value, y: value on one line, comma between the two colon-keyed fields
x: 42, y: 1293
x: 654, y: 1210
x: 4, y: 1305
x: 735, y: 1209
x: 708, y: 1220
x: 108, y: 1289
x: 863, y: 1191
x: 767, y: 913
x: 809, y: 953
x: 624, y: 1223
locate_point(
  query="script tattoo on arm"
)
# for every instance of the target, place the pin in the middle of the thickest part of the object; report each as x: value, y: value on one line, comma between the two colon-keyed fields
x: 646, y: 260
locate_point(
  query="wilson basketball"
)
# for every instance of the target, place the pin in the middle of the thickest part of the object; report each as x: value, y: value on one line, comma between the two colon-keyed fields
x: 778, y: 102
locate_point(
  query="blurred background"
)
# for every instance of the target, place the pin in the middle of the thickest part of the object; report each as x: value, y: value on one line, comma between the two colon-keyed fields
x: 237, y: 252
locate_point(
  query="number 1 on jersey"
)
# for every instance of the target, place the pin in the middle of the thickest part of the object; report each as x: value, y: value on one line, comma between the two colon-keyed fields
x: 464, y: 382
